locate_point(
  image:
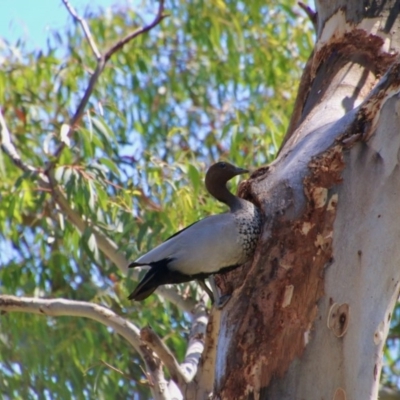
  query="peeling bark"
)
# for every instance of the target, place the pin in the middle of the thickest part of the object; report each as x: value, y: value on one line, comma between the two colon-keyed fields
x: 309, y: 317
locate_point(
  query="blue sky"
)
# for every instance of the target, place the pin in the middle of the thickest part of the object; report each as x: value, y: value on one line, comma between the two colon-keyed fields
x: 32, y: 20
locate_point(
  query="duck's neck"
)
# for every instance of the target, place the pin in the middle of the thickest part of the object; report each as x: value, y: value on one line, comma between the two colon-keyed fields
x: 222, y: 194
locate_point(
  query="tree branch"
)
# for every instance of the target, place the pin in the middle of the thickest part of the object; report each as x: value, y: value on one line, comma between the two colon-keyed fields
x: 196, y: 341
x: 151, y: 339
x: 85, y: 28
x: 105, y: 244
x: 182, y: 375
x: 110, y: 248
x: 155, y: 374
x: 73, y: 308
x: 101, y: 63
x: 96, y: 312
x: 310, y: 13
x: 206, y: 373
x: 118, y: 45
x: 10, y: 150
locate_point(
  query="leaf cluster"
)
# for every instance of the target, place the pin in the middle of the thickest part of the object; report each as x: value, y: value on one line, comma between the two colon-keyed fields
x: 216, y: 80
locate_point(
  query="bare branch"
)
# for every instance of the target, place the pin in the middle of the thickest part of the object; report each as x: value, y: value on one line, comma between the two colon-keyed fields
x: 313, y: 15
x: 155, y: 374
x: 110, y: 248
x: 85, y: 28
x: 175, y: 392
x: 9, y: 148
x: 196, y: 341
x: 105, y: 244
x: 182, y: 375
x: 101, y: 63
x: 169, y: 293
x: 60, y: 307
x: 117, y: 46
x: 107, y: 317
x: 150, y: 338
x: 206, y: 374
x: 114, y: 369
x: 80, y: 110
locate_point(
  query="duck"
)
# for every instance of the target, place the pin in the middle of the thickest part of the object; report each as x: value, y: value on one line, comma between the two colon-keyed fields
x: 215, y: 244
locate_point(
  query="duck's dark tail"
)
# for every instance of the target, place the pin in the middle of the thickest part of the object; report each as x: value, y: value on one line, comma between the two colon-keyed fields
x: 146, y: 286
x: 157, y: 275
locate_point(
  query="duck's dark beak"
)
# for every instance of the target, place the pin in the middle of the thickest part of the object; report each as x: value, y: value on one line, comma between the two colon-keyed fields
x: 240, y: 171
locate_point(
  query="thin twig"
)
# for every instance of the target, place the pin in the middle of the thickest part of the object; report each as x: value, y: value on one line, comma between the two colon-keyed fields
x: 120, y: 43
x: 110, y: 248
x: 101, y: 63
x: 105, y: 244
x: 79, y: 111
x: 115, y: 369
x: 151, y: 339
x: 85, y: 28
x: 10, y: 150
x: 313, y: 15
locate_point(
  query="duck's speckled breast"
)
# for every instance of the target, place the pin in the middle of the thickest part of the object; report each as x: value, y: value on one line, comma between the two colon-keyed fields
x: 248, y: 220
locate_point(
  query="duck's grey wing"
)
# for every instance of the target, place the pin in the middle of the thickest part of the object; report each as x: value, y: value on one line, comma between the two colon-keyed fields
x: 143, y: 260
x: 182, y: 230
x: 204, y: 247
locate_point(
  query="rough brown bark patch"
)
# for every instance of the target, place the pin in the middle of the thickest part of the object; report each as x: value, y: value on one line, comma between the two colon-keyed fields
x: 355, y: 47
x: 295, y: 253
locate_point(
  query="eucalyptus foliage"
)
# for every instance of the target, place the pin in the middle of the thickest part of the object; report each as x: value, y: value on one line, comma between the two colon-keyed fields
x: 216, y: 80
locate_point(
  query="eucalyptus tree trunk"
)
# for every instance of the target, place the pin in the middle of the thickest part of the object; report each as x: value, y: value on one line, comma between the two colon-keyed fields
x: 309, y: 317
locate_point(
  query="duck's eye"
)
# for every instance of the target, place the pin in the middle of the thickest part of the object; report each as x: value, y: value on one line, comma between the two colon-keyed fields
x: 222, y: 164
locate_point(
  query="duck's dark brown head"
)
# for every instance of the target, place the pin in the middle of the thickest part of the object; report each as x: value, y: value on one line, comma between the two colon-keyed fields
x: 216, y: 178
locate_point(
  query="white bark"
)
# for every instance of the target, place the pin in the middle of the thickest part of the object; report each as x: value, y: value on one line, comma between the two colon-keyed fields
x: 309, y: 318
x: 364, y: 275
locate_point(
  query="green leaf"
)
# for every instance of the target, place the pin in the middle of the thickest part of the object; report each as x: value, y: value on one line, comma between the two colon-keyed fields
x: 109, y: 164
